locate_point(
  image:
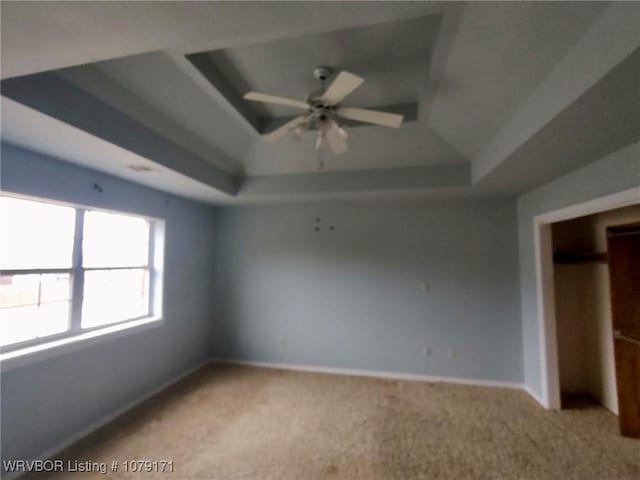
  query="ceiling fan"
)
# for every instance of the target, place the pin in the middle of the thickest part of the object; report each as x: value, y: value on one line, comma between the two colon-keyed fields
x: 324, y: 111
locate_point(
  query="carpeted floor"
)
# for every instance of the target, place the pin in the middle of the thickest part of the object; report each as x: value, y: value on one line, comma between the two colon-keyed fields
x: 232, y: 423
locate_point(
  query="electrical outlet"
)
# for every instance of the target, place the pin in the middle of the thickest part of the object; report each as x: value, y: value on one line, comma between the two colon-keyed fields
x: 427, y: 351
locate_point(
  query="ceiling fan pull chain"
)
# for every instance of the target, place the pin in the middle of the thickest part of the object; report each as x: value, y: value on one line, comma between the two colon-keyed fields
x: 320, y: 159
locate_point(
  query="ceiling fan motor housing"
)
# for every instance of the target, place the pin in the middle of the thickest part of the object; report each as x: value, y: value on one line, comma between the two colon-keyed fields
x: 322, y: 73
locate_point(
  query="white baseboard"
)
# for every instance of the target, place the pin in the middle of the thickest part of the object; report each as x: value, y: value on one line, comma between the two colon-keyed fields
x: 373, y: 373
x: 51, y: 452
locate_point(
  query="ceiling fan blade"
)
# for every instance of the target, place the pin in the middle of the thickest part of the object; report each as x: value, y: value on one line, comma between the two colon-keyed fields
x: 371, y: 116
x: 342, y: 85
x: 337, y: 142
x: 288, y: 102
x: 284, y: 129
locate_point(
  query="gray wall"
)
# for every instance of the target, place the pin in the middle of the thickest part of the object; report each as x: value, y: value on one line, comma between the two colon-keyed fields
x: 352, y: 297
x: 45, y: 403
x: 609, y: 175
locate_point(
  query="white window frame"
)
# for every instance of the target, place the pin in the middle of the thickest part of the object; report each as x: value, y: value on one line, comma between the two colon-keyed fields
x: 75, y: 331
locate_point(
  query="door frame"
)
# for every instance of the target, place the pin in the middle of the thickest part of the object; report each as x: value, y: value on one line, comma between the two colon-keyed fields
x: 543, y: 245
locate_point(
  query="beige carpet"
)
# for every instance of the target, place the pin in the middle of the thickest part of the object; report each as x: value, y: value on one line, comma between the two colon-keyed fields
x: 232, y: 423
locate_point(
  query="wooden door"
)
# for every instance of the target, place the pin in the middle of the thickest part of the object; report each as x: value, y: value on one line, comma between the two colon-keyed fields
x: 624, y: 274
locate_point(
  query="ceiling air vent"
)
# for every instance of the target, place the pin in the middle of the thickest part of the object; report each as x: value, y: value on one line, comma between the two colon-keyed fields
x: 140, y: 168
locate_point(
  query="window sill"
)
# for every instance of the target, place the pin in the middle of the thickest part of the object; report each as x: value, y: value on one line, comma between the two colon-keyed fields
x: 36, y: 353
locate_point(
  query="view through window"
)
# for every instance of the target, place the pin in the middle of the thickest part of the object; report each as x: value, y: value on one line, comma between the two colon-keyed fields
x: 66, y: 270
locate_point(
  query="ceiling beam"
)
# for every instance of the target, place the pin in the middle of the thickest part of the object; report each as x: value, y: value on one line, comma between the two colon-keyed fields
x: 613, y: 37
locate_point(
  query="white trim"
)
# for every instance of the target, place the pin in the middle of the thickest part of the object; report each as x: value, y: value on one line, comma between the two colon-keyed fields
x: 43, y: 351
x: 534, y: 395
x: 621, y: 199
x: 60, y: 446
x: 16, y: 353
x: 372, y: 373
x: 545, y: 296
x: 550, y: 383
x: 77, y: 205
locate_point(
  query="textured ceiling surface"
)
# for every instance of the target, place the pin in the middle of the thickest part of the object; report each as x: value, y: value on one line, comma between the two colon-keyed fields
x: 607, y: 118
x: 501, y: 52
x: 470, y: 68
x: 392, y: 57
x: 42, y: 36
x: 160, y: 83
x: 370, y: 147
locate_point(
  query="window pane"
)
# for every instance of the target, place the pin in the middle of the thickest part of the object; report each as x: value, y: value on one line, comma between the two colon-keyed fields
x: 35, y: 234
x: 111, y: 240
x: 114, y: 295
x: 33, y: 306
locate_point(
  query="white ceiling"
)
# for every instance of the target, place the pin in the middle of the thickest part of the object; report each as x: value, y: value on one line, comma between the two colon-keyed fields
x: 53, y: 139
x: 370, y: 147
x: 501, y: 52
x: 471, y: 67
x: 41, y: 36
x: 154, y: 89
x: 393, y: 58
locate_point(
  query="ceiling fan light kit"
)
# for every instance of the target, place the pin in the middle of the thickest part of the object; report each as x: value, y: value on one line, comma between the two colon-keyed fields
x: 324, y: 111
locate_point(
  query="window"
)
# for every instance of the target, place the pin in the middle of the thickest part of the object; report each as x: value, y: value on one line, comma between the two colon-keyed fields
x: 68, y: 270
x: 116, y: 268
